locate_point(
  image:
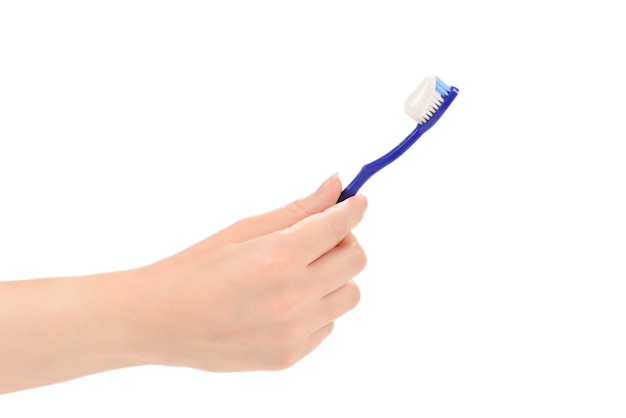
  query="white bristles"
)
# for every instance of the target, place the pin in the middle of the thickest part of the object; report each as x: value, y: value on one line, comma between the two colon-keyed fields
x: 422, y: 104
x: 435, y: 101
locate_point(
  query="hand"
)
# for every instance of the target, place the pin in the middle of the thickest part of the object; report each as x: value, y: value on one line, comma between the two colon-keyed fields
x: 260, y: 294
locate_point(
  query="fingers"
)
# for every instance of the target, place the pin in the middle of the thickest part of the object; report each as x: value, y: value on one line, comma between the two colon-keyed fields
x: 316, y: 338
x: 337, y: 266
x: 314, y: 236
x: 339, y: 302
x: 332, y: 307
x: 324, y: 197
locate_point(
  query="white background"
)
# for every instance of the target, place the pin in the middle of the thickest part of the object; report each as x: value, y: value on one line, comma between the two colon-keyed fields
x: 496, y: 245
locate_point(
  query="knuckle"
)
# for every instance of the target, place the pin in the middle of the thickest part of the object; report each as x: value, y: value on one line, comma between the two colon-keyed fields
x: 284, y: 307
x: 353, y: 294
x: 242, y: 223
x: 359, y: 258
x: 338, y: 229
x: 285, y: 358
x: 297, y: 207
x: 290, y: 335
x: 288, y: 346
x: 276, y: 261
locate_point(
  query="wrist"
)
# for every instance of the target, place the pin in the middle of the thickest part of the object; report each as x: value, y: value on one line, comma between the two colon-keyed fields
x: 106, y: 326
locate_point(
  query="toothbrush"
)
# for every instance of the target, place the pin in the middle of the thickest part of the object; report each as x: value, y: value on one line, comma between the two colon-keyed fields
x: 426, y: 105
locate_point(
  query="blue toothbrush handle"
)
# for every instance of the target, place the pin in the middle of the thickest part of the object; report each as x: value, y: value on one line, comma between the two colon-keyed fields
x: 368, y: 170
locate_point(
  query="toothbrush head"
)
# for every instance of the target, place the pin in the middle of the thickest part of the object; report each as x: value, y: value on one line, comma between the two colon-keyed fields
x: 426, y: 105
x: 431, y: 98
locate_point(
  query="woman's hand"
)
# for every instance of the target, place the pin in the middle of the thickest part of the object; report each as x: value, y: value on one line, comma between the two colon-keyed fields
x: 260, y: 294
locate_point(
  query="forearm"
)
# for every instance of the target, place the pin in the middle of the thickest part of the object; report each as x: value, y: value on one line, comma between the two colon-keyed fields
x: 58, y: 329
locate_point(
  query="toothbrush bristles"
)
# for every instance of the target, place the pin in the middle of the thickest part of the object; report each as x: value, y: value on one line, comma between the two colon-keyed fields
x: 441, y: 92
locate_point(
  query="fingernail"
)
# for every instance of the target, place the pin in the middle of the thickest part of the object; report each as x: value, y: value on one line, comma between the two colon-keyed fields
x: 327, y: 182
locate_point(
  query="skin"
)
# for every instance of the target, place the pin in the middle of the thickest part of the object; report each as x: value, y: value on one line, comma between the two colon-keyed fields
x: 259, y: 295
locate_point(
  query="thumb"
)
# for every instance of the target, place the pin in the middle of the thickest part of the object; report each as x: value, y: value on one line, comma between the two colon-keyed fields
x: 318, y: 201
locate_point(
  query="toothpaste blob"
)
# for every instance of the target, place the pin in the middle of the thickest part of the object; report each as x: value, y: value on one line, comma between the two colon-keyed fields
x: 426, y: 99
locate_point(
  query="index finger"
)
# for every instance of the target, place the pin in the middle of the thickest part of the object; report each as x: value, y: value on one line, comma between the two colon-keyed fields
x: 317, y: 234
